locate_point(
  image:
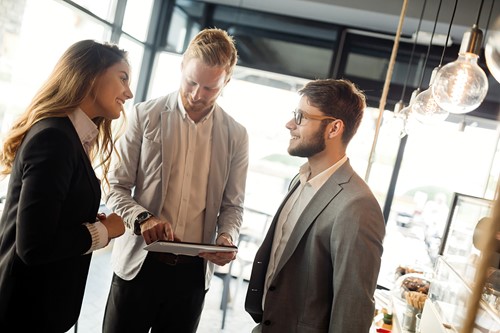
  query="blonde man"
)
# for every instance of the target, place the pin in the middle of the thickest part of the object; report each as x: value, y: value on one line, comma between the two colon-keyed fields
x: 183, y: 172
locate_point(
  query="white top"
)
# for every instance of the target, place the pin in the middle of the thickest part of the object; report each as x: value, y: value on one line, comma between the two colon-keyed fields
x: 187, y: 189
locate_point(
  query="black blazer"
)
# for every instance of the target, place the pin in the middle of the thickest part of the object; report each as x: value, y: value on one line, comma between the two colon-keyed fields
x: 52, y: 191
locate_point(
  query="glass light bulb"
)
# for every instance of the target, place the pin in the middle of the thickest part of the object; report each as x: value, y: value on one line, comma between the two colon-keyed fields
x: 405, y: 120
x: 403, y: 116
x: 460, y: 86
x: 492, y: 50
x: 426, y: 110
x: 393, y: 125
x: 407, y: 115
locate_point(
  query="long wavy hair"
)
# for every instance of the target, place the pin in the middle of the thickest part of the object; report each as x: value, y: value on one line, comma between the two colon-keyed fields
x: 67, y: 86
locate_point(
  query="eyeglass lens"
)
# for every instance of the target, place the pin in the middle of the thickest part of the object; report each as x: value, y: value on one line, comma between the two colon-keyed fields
x: 297, y: 117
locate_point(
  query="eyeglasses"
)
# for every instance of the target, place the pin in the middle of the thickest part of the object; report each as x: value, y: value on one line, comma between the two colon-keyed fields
x: 299, y: 115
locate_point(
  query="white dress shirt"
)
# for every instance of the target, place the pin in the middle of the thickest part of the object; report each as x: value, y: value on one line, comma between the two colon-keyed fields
x: 187, y: 188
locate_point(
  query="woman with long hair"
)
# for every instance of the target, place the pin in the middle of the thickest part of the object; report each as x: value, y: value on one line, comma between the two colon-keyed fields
x: 50, y: 224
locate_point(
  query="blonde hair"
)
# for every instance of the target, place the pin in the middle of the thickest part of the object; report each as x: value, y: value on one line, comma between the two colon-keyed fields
x: 215, y: 47
x: 69, y: 83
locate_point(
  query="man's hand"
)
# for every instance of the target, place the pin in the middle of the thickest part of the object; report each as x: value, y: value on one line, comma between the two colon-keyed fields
x: 221, y: 258
x: 154, y: 229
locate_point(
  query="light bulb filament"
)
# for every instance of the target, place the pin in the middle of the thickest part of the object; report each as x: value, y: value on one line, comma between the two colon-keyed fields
x: 458, y: 86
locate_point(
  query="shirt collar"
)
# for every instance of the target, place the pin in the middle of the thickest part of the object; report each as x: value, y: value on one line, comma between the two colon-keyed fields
x: 85, y: 128
x: 320, y: 179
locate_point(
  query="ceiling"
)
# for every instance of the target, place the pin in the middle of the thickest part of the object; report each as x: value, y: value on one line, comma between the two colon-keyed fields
x: 383, y: 15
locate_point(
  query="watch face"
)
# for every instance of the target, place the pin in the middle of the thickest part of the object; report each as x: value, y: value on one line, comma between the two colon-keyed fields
x: 143, y: 215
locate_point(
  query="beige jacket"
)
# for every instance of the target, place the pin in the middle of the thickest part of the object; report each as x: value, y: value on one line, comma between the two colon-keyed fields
x: 140, y: 183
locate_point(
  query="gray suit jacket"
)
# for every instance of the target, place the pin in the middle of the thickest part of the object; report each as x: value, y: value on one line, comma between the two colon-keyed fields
x: 140, y: 183
x: 328, y: 272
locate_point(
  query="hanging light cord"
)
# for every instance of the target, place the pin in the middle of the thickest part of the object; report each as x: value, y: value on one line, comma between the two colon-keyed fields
x: 488, y: 23
x: 479, y: 13
x: 430, y: 44
x: 413, y: 51
x: 449, y: 30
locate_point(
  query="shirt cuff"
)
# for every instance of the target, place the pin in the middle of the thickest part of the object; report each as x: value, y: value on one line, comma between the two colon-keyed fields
x: 99, y: 235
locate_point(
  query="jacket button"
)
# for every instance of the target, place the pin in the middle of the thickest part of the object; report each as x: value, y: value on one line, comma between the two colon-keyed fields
x: 267, y: 322
x: 272, y: 288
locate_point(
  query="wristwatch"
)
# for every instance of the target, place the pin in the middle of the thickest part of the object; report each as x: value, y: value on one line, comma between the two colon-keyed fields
x: 140, y: 219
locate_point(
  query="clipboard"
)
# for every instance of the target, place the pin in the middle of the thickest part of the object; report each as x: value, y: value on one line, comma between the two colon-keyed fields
x: 186, y: 248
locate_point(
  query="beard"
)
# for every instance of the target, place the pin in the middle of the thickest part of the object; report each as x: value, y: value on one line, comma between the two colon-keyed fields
x: 195, y: 107
x: 310, y: 147
x: 200, y: 106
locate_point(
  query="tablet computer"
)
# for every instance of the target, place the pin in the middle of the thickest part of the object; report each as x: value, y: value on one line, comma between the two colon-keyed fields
x: 188, y: 249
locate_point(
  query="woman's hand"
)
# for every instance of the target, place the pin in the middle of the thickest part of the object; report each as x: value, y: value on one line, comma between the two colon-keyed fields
x: 113, y: 223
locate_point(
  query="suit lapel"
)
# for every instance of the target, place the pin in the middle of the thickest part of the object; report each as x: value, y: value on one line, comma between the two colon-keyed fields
x: 168, y: 126
x: 94, y: 181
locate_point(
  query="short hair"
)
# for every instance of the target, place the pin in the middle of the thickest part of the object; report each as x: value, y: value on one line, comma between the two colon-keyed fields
x: 338, y: 98
x: 215, y: 47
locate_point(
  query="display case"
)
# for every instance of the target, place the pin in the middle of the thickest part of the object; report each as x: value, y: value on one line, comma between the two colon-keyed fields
x: 449, y: 293
x: 457, y: 240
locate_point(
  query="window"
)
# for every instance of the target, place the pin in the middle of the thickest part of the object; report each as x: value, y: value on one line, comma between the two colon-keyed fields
x: 184, y: 25
x: 264, y: 41
x: 105, y: 9
x: 135, y: 12
x: 438, y: 161
x: 166, y: 76
x: 29, y: 59
x: 135, y: 53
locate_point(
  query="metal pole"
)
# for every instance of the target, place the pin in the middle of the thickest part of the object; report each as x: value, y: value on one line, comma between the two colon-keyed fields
x: 394, y: 178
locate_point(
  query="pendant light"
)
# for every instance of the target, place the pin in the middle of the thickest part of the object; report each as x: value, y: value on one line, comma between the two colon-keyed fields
x: 426, y: 109
x: 406, y: 116
x: 401, y: 113
x: 461, y: 86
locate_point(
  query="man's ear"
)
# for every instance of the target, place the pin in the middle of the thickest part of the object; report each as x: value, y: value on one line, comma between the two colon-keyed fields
x: 336, y: 127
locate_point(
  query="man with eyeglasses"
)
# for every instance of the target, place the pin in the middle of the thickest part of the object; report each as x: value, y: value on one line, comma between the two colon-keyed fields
x: 317, y: 268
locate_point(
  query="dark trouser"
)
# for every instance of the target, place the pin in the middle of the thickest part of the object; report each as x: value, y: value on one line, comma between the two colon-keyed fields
x: 163, y: 297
